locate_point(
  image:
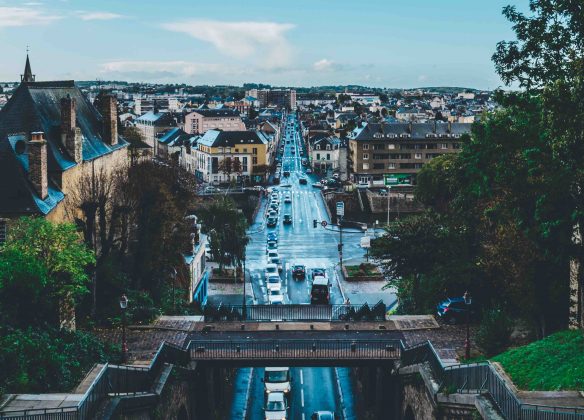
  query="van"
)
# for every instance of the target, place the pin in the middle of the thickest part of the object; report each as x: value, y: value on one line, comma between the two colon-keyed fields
x: 277, y: 379
x: 320, y: 292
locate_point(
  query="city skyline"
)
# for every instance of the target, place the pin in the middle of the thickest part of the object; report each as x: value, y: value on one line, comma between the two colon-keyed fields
x: 380, y: 44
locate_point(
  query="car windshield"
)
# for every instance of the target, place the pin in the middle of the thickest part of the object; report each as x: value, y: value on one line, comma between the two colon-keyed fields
x: 275, y: 292
x: 273, y: 280
x: 271, y: 269
x: 275, y: 406
x: 277, y: 376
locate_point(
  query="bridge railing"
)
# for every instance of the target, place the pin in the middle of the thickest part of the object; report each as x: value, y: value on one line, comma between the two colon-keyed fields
x: 483, y: 378
x: 295, y: 312
x: 297, y: 349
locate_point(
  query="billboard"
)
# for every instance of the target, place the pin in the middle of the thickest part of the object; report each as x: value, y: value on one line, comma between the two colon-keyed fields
x: 397, y: 179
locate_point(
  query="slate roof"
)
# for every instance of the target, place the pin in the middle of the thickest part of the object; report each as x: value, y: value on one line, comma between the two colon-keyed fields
x: 415, y: 130
x: 218, y: 138
x: 173, y: 137
x: 36, y: 106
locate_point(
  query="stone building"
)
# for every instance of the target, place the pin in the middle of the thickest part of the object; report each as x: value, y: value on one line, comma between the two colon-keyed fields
x: 202, y: 120
x: 50, y: 136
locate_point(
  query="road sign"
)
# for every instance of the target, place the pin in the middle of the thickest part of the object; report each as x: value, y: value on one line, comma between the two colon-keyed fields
x: 323, y: 223
x: 397, y: 179
x: 365, y: 242
x: 340, y: 208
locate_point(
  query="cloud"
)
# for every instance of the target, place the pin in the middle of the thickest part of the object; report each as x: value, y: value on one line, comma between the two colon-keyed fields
x: 164, y: 69
x: 422, y: 78
x: 242, y: 40
x: 325, y: 65
x: 23, y: 16
x: 98, y: 15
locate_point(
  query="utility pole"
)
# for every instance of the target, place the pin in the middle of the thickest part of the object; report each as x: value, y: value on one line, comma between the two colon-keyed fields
x: 388, y: 195
x: 340, y: 243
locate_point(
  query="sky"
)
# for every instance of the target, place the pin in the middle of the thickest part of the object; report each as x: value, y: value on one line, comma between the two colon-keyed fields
x: 378, y: 43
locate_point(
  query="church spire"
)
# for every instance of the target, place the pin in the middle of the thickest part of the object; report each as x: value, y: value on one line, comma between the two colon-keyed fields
x: 27, y: 76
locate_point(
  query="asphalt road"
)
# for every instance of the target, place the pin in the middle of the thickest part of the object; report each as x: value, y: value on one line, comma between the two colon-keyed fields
x: 299, y: 243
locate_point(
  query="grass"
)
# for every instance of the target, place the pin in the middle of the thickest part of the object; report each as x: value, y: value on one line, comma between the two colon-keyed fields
x: 362, y: 270
x: 555, y: 363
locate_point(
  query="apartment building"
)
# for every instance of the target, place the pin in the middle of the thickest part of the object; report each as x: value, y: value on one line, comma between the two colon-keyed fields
x: 224, y: 156
x: 202, y: 120
x: 281, y: 98
x: 393, y: 153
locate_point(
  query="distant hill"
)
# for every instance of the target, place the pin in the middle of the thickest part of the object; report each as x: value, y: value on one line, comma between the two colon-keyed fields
x: 449, y: 89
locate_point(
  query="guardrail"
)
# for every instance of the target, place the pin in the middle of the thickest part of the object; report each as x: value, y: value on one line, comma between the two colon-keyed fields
x: 483, y: 378
x: 295, y: 313
x: 297, y: 349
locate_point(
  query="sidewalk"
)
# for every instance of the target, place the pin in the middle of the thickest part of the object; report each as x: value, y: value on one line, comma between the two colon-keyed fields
x: 366, y: 291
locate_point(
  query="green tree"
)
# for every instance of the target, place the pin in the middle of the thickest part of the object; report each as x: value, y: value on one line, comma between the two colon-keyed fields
x: 42, y: 268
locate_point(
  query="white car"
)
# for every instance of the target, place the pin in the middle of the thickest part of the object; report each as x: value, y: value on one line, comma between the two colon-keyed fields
x: 273, y: 282
x: 288, y: 199
x: 277, y: 379
x: 275, y: 297
x: 276, y: 407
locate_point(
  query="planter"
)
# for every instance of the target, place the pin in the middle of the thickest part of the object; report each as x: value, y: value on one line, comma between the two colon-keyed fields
x: 373, y: 274
x: 226, y: 276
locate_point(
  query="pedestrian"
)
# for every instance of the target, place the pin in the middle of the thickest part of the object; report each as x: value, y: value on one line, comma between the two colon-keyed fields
x: 347, y: 301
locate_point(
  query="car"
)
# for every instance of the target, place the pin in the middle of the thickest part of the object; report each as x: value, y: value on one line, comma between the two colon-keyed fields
x: 287, y: 219
x: 286, y: 173
x: 288, y: 199
x: 317, y: 185
x: 293, y: 151
x: 275, y: 297
x: 273, y: 282
x: 276, y: 260
x: 323, y: 415
x: 277, y: 379
x: 452, y: 310
x: 308, y: 170
x: 298, y: 272
x: 210, y: 189
x: 276, y: 406
x: 318, y: 272
x: 304, y: 162
x: 336, y: 176
x: 382, y: 192
x: 302, y: 181
x: 301, y: 153
x: 271, y: 270
x: 273, y: 236
x: 272, y: 221
x: 271, y: 246
x: 320, y: 291
x: 274, y: 206
x: 273, y: 254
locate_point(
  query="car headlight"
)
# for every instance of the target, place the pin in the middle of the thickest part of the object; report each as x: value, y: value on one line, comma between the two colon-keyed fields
x: 268, y: 391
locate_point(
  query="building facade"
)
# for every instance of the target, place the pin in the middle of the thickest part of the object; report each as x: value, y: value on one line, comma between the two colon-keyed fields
x: 203, y: 120
x: 393, y: 153
x: 152, y: 124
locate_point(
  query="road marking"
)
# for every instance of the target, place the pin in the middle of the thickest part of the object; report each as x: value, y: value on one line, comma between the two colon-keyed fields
x: 302, y: 397
x: 303, y: 418
x: 301, y: 378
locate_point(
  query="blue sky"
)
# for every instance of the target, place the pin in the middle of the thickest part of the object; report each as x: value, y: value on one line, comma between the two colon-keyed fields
x: 385, y: 43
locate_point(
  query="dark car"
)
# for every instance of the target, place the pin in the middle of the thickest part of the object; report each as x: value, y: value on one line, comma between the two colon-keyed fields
x: 272, y: 221
x: 272, y: 236
x: 452, y: 310
x: 287, y: 219
x: 302, y: 181
x: 286, y: 173
x: 320, y: 293
x: 298, y: 272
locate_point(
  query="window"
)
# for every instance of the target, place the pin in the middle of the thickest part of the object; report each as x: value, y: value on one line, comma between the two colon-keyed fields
x: 318, y: 147
x: 456, y: 145
x: 391, y: 146
x: 254, y: 160
x: 254, y: 151
x: 3, y: 231
x: 244, y: 150
x: 365, y: 156
x: 365, y: 166
x: 378, y: 166
x: 328, y: 156
x: 444, y: 145
x: 391, y: 166
x: 365, y: 147
x: 418, y: 156
x: 318, y: 156
x: 244, y: 163
x: 378, y: 147
x: 328, y: 147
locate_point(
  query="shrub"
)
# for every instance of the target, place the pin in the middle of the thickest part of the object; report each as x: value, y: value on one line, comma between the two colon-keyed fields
x: 494, y: 332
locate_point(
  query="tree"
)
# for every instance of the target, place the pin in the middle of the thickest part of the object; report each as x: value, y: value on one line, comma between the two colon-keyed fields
x: 252, y: 113
x: 42, y: 272
x: 548, y: 58
x: 137, y: 145
x: 227, y: 231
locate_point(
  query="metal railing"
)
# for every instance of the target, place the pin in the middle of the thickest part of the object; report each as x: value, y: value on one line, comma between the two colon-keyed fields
x: 483, y: 378
x: 297, y: 349
x: 295, y: 313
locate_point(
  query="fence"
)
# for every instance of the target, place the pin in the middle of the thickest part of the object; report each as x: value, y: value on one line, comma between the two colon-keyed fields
x: 297, y: 349
x: 295, y: 312
x: 483, y: 378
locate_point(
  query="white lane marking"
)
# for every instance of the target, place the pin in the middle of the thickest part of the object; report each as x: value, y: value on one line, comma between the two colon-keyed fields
x: 302, y: 397
x: 303, y: 418
x: 301, y: 378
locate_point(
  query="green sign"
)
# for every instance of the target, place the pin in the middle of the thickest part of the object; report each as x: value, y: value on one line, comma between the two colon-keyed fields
x: 397, y: 179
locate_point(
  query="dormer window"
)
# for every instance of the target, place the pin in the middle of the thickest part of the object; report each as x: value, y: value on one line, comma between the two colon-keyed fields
x: 318, y: 147
x: 328, y: 147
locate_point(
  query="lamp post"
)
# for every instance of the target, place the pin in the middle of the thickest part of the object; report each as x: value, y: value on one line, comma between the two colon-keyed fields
x: 244, y: 311
x: 467, y: 302
x: 388, y: 194
x: 123, y: 307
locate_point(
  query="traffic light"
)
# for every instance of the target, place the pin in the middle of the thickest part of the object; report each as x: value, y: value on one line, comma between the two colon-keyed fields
x: 340, y: 247
x: 314, y: 223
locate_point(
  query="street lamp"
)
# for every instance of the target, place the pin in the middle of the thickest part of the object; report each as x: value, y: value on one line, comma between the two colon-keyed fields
x: 467, y: 302
x: 123, y: 307
x: 388, y: 194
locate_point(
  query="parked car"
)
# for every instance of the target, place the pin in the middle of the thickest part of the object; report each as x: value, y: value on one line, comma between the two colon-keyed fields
x: 210, y: 189
x: 287, y: 219
x: 320, y: 291
x: 452, y: 310
x: 277, y: 379
x: 302, y: 181
x: 276, y: 407
x: 298, y: 272
x: 323, y: 415
x: 275, y: 297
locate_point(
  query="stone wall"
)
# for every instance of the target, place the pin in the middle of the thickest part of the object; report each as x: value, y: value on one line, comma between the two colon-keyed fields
x: 416, y: 402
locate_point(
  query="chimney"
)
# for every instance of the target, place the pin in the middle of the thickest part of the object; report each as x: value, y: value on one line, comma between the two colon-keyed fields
x: 109, y: 112
x: 37, y: 164
x: 70, y: 133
